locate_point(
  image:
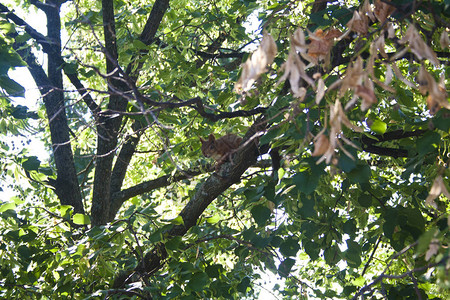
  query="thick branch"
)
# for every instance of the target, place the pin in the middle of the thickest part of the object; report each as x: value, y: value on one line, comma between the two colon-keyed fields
x: 153, y: 21
x: 108, y: 126
x: 124, y: 158
x: 148, y: 34
x: 197, y: 104
x: 118, y: 198
x: 66, y: 184
x: 215, y: 185
x: 368, y: 143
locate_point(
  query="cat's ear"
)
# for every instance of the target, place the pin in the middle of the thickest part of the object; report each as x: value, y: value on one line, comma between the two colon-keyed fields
x: 211, y: 138
x: 202, y: 140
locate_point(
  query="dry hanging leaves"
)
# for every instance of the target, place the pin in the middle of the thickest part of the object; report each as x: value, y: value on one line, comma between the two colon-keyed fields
x: 437, y: 96
x: 433, y: 249
x: 366, y: 9
x: 257, y: 63
x: 383, y: 10
x: 367, y: 94
x: 294, y: 68
x: 321, y: 145
x: 320, y: 92
x: 359, y: 23
x: 357, y: 80
x: 444, y: 40
x: 418, y: 45
x: 327, y: 147
x: 378, y: 46
x: 436, y: 190
x: 321, y: 43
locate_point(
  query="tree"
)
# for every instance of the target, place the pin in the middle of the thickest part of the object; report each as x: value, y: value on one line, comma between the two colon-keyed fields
x: 349, y: 99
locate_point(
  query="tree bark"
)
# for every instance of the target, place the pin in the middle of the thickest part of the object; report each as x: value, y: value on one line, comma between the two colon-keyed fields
x: 67, y: 187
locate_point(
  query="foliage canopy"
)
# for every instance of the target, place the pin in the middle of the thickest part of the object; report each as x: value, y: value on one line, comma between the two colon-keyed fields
x: 340, y: 187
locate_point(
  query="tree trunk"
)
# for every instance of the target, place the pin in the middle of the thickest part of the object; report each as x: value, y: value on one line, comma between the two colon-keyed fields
x: 66, y: 186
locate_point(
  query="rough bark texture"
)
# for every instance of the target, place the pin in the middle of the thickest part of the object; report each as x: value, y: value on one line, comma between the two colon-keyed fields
x: 108, y: 124
x: 51, y: 87
x: 127, y: 151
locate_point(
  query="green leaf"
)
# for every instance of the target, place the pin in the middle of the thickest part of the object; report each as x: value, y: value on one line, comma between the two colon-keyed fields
x: 332, y: 255
x: 64, y: 210
x: 289, y: 247
x: 213, y: 220
x: 390, y: 222
x: 305, y: 182
x: 350, y: 227
x: 425, y: 240
x: 312, y: 249
x: 442, y: 120
x: 343, y: 15
x: 365, y: 200
x: 214, y: 271
x: 285, y: 267
x: 320, y: 18
x: 270, y: 135
x: 361, y: 174
x: 81, y: 219
x: 139, y: 45
x: 428, y: 142
x: 261, y: 242
x: 308, y: 207
x: 7, y: 206
x: 260, y: 214
x: 21, y: 112
x: 11, y: 87
x: 198, y: 282
x: 177, y: 221
x: 347, y: 164
x: 174, y: 243
x: 378, y: 126
x: 130, y: 211
x: 32, y: 163
x: 71, y: 68
x: 243, y: 285
x: 269, y: 190
x: 24, y: 252
x: 359, y: 281
x: 353, y: 254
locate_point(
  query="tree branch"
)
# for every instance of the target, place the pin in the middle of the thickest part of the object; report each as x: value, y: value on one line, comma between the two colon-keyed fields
x: 107, y: 126
x: 154, y: 20
x: 124, y: 157
x: 378, y: 279
x: 118, y: 198
x: 215, y: 185
x: 50, y: 87
x: 148, y: 34
x: 197, y: 104
x: 40, y: 39
x: 47, y: 48
x: 368, y: 143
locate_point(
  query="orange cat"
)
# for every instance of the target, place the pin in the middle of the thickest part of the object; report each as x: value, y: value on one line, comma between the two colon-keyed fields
x: 220, y: 149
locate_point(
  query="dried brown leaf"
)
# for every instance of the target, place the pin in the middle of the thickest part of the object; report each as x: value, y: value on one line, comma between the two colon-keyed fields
x: 383, y: 10
x: 444, y: 40
x: 418, y: 45
x: 358, y: 23
x: 257, y: 63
